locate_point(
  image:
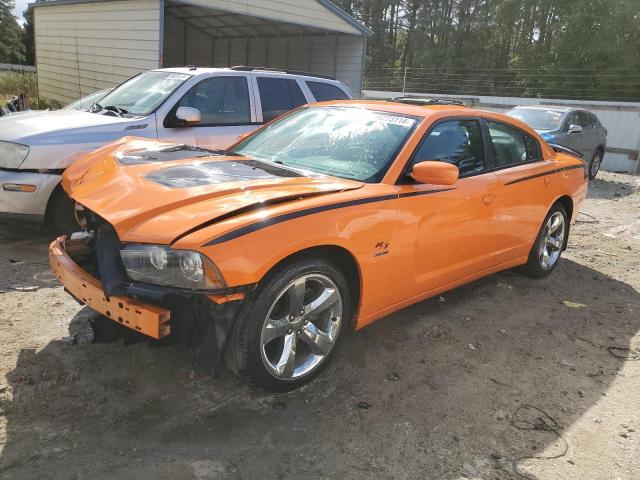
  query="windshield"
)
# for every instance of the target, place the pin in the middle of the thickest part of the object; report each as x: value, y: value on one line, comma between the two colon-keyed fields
x: 538, y: 119
x: 345, y: 142
x: 141, y: 95
x: 86, y: 102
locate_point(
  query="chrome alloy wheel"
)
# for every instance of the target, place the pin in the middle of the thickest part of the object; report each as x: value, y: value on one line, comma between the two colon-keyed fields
x: 301, y: 326
x: 552, y: 242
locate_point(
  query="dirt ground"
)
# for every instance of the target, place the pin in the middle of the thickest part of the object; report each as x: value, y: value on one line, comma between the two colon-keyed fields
x: 495, y: 380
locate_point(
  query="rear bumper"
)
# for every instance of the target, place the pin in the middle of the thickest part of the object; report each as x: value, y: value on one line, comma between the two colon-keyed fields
x: 24, y: 203
x: 147, y: 319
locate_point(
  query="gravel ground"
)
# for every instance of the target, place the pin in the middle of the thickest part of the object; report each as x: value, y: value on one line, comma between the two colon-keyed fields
x: 495, y: 380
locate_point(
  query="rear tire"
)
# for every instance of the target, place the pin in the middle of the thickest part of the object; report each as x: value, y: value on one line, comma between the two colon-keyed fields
x: 550, y: 242
x: 290, y: 326
x: 594, y: 165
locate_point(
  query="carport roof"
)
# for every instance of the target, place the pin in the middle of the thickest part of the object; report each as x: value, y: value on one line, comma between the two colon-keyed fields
x: 243, y: 20
x: 220, y: 23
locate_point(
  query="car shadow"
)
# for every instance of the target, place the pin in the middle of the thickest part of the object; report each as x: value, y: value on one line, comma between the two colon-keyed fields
x: 609, y: 189
x: 475, y: 384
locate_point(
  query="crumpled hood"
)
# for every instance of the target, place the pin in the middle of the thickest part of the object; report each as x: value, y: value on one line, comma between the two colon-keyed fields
x: 153, y: 192
x: 22, y: 128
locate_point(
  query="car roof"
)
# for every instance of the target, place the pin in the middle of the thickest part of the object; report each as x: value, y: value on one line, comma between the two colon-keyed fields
x: 557, y: 108
x: 422, y: 111
x: 195, y: 70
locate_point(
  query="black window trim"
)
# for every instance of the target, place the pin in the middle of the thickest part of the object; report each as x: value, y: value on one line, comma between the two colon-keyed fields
x: 170, y: 117
x: 404, y: 174
x: 488, y: 137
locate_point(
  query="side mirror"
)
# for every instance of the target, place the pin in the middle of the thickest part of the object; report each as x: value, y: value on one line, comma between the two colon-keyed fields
x: 435, y: 173
x: 188, y: 116
x: 575, y: 129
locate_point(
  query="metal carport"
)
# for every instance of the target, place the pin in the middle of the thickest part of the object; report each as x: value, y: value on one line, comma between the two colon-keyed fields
x: 86, y: 45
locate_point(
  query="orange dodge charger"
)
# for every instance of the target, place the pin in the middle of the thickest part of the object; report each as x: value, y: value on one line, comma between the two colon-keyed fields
x: 262, y: 256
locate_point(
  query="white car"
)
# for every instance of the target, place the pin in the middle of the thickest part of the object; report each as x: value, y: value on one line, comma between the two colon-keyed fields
x: 206, y: 107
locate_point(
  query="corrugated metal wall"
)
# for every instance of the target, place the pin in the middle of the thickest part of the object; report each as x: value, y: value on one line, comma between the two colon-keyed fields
x: 84, y: 47
x: 331, y: 54
x: 621, y: 119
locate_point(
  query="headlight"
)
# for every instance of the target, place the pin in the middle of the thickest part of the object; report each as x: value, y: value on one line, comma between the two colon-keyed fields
x: 161, y: 265
x: 12, y: 154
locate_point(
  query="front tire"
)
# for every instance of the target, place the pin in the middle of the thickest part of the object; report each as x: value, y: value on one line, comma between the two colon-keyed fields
x: 289, y: 328
x: 594, y: 165
x: 550, y: 242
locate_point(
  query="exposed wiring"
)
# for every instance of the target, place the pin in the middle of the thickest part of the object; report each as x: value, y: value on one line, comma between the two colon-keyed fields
x: 542, y: 422
x: 593, y: 219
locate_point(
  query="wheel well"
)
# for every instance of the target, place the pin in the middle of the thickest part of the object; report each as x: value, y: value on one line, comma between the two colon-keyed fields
x: 50, y: 203
x: 342, y: 259
x: 567, y: 202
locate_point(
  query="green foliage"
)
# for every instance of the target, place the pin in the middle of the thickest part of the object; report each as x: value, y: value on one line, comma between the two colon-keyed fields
x: 12, y: 48
x: 29, y: 37
x: 546, y: 48
x: 15, y: 83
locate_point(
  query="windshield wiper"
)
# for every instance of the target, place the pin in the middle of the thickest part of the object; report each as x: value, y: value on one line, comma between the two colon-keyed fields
x: 118, y: 111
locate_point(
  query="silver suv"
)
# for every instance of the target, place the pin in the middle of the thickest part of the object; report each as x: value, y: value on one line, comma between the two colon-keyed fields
x: 570, y: 127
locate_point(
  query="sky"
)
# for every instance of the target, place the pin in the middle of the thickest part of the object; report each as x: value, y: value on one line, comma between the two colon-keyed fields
x: 21, y: 6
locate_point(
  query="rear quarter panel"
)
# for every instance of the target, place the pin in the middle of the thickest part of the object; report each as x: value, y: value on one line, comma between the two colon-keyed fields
x: 527, y: 195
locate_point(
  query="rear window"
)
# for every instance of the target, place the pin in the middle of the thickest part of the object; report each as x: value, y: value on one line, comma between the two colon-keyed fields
x: 538, y: 118
x: 325, y: 91
x: 278, y: 96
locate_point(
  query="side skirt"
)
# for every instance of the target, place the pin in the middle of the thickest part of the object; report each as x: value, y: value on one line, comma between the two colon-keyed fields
x: 364, y: 321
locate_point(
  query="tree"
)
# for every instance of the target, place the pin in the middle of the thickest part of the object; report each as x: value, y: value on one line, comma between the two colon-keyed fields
x: 28, y: 36
x: 12, y: 48
x: 545, y: 48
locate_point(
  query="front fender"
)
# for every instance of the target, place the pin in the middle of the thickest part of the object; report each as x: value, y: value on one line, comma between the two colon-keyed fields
x: 367, y: 232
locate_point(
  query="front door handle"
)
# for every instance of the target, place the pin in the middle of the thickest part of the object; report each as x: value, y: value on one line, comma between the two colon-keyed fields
x: 489, y: 199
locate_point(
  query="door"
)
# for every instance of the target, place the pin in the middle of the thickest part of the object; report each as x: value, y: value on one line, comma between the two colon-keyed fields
x: 453, y: 226
x: 276, y: 96
x: 226, y: 111
x: 526, y: 189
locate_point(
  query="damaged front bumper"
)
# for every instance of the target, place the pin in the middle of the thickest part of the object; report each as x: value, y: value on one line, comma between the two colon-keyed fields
x: 147, y: 319
x: 196, y: 320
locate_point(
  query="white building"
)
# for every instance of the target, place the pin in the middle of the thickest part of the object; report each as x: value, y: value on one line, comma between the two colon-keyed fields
x: 88, y: 45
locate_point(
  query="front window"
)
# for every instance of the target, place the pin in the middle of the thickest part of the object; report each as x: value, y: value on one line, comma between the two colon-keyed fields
x: 458, y: 142
x: 220, y: 101
x: 141, y: 95
x: 538, y: 119
x: 345, y: 142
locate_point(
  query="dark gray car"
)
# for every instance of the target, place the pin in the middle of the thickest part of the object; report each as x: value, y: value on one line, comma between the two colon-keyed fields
x: 570, y: 127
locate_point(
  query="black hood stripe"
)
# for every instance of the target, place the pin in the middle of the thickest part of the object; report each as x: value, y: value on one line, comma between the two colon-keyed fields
x: 310, y: 211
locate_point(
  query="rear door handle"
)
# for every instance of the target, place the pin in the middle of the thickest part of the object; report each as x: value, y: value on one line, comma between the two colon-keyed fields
x: 488, y: 199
